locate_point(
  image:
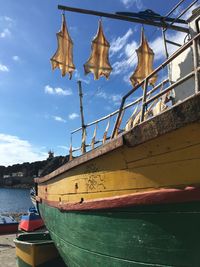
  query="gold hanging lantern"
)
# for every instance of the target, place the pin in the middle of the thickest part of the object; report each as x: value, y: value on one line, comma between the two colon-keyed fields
x: 145, y: 63
x: 98, y: 63
x: 63, y: 58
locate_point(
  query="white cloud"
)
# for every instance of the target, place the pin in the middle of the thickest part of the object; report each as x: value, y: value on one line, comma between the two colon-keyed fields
x: 117, y: 44
x: 102, y: 95
x: 130, y: 60
x: 158, y: 45
x: 77, y: 76
x: 57, y: 91
x: 57, y: 118
x: 114, y: 98
x: 177, y: 11
x: 16, y: 58
x: 158, y: 48
x: 15, y: 150
x: 5, y: 33
x: 130, y: 52
x: 177, y: 37
x: 3, y: 68
x: 60, y: 91
x: 126, y: 78
x: 49, y: 90
x: 129, y: 3
x: 6, y: 18
x: 119, y: 67
x: 73, y: 116
x: 73, y: 29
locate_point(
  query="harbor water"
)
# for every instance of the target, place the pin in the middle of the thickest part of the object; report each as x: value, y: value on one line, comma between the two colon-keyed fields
x: 14, y: 200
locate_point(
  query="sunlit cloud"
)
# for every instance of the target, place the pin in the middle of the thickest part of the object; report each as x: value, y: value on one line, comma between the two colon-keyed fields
x: 16, y: 58
x: 114, y: 98
x: 15, y: 150
x: 129, y: 3
x: 130, y: 52
x: 5, y: 33
x: 158, y: 45
x: 57, y: 118
x: 117, y: 44
x: 57, y: 91
x: 102, y: 95
x: 78, y: 77
x: 129, y: 60
x: 126, y: 78
x: 6, y: 19
x: 73, y: 29
x: 73, y: 116
x: 3, y: 68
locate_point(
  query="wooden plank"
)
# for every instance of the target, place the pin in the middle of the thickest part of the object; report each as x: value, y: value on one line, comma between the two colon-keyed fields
x: 170, y: 175
x: 165, y: 161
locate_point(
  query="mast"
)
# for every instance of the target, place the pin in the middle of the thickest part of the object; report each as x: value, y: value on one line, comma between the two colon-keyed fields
x: 82, y: 115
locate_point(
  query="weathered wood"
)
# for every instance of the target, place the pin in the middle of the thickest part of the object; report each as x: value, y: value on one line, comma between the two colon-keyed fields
x: 178, y: 116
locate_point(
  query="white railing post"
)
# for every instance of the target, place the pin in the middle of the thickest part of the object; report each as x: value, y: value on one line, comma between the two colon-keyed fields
x: 196, y: 64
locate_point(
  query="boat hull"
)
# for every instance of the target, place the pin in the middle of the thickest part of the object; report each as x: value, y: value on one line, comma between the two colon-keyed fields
x: 8, y: 228
x: 8, y: 225
x: 31, y: 222
x: 134, y: 201
x: 151, y: 235
x: 37, y: 250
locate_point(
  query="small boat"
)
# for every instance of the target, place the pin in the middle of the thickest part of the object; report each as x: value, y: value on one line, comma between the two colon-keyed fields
x: 31, y: 221
x: 37, y: 249
x: 8, y: 225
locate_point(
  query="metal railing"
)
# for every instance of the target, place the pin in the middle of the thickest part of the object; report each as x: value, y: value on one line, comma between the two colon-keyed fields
x: 194, y: 72
x: 149, y: 95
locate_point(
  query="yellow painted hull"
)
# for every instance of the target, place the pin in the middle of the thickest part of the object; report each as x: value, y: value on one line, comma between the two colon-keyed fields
x: 169, y: 161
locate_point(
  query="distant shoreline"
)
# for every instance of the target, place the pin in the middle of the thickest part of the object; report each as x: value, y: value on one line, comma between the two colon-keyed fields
x: 15, y: 215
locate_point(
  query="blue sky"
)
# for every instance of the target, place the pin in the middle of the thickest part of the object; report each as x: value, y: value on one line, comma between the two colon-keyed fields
x: 39, y: 108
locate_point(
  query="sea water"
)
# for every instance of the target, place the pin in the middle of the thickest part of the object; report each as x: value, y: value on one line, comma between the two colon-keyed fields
x: 14, y: 200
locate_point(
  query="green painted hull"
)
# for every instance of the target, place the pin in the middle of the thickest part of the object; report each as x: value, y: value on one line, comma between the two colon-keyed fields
x: 165, y: 235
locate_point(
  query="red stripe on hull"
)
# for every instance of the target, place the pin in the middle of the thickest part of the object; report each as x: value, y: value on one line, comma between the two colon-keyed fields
x: 161, y: 196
